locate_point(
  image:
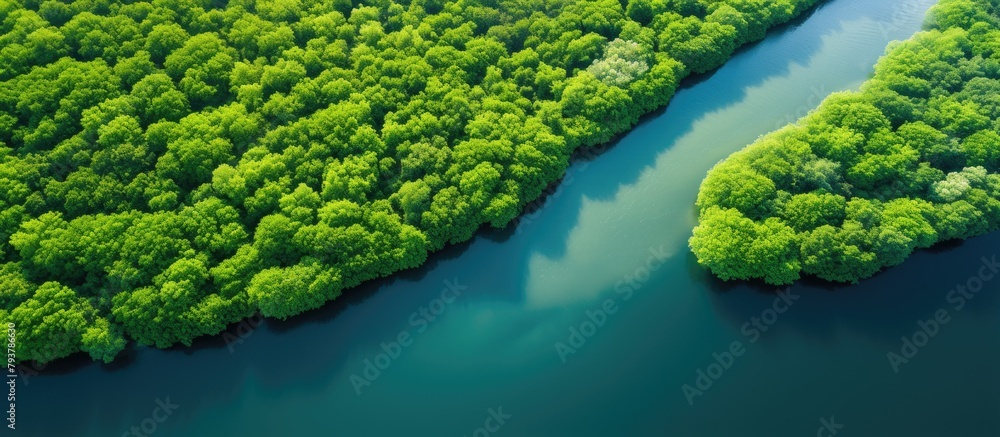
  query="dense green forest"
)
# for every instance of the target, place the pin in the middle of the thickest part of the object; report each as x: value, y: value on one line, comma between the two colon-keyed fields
x: 169, y: 167
x: 910, y: 160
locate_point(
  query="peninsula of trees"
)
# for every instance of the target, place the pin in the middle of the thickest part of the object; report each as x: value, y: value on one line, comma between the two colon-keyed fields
x: 169, y: 167
x: 910, y: 160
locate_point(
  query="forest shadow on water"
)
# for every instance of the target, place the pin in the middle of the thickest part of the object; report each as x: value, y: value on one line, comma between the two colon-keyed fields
x: 882, y: 307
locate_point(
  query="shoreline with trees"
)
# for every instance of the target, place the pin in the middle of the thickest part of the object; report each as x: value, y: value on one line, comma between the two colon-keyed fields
x: 171, y: 167
x: 910, y: 160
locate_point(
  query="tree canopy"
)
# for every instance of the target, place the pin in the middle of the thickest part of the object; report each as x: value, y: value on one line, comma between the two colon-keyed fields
x: 171, y: 167
x: 911, y: 159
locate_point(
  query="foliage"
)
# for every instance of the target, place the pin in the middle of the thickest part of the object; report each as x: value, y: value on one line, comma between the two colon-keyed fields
x: 911, y: 159
x: 170, y: 167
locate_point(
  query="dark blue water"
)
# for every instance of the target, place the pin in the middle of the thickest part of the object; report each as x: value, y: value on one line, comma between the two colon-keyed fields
x: 592, y: 316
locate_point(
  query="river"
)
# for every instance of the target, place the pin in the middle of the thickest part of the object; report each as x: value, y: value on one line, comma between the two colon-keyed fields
x: 590, y: 317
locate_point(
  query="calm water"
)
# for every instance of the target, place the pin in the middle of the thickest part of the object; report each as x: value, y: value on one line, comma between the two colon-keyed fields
x: 516, y: 294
